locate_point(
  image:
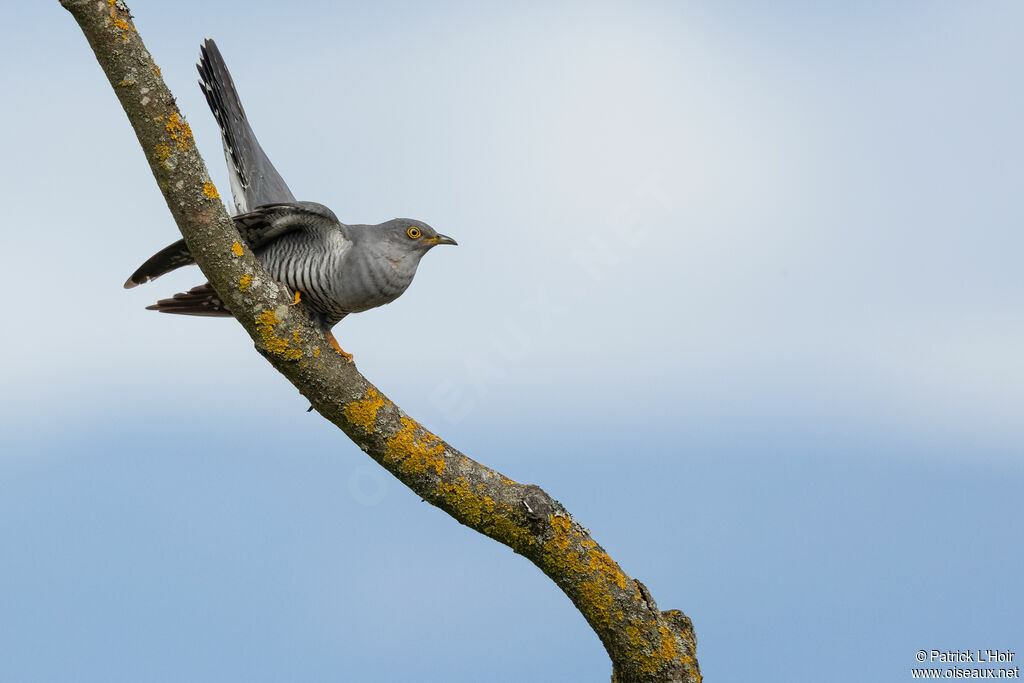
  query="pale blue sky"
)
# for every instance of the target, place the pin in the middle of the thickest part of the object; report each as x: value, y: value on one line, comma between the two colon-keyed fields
x: 739, y: 283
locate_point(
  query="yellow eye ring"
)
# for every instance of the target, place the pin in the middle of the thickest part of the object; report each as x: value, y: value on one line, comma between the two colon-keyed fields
x: 413, y: 232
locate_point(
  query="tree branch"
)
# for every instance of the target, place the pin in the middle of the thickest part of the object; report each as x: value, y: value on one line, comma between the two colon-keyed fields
x: 645, y: 644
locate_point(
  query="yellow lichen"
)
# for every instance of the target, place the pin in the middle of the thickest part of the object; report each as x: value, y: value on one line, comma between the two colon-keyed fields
x: 179, y: 131
x: 633, y: 633
x: 119, y: 22
x: 412, y: 455
x: 483, y: 513
x: 244, y: 282
x: 363, y: 412
x: 162, y: 153
x: 601, y: 562
x: 236, y: 249
x: 650, y: 652
x: 667, y: 650
x: 156, y: 69
x: 597, y: 562
x: 265, y: 323
x: 572, y: 555
x: 210, y: 190
x: 316, y: 352
x: 595, y: 602
x: 561, y: 526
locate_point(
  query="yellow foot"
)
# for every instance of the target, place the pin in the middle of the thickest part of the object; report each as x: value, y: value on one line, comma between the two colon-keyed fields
x: 298, y: 298
x: 337, y: 347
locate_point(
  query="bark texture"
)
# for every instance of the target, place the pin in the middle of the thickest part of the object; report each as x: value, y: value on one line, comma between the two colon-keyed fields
x: 644, y: 643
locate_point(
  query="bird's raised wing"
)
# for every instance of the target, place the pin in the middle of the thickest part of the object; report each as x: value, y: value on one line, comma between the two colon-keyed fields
x: 254, y: 180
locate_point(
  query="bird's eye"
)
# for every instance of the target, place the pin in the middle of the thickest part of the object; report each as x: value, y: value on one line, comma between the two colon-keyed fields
x: 413, y: 232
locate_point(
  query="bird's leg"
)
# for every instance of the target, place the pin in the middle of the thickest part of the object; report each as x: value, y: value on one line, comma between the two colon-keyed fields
x: 336, y: 346
x: 330, y: 337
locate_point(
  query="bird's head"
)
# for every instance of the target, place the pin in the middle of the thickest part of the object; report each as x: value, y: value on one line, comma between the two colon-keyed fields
x: 413, y: 237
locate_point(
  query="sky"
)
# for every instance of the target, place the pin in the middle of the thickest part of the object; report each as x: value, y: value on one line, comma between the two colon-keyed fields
x: 738, y: 283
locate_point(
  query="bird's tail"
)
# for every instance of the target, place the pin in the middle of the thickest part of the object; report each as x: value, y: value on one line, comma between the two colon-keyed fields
x: 254, y: 180
x: 169, y: 258
x: 201, y: 300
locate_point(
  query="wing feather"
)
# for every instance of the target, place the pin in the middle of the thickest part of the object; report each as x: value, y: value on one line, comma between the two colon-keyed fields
x: 258, y: 228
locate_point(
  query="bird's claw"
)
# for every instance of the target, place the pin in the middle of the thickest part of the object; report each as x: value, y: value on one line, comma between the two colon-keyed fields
x: 337, y: 347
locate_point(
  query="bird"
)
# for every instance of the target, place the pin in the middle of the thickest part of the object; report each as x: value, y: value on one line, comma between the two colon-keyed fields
x: 334, y: 268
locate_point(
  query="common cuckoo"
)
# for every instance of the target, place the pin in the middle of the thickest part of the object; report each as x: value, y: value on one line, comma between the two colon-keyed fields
x: 334, y: 268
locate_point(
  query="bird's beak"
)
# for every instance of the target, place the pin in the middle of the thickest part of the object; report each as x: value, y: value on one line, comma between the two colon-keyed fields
x: 444, y: 239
